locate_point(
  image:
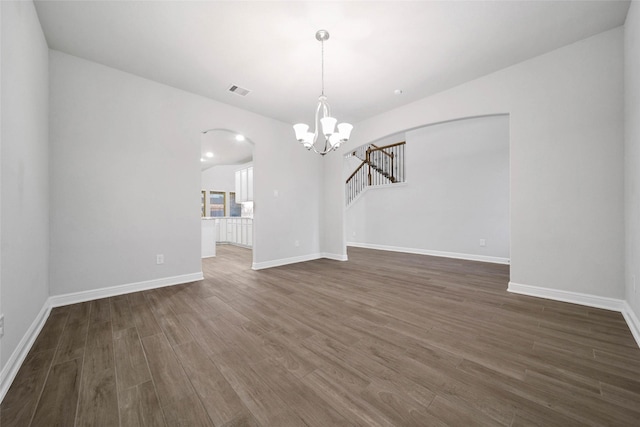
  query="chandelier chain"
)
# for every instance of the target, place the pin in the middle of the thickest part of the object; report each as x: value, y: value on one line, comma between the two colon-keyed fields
x: 322, y: 42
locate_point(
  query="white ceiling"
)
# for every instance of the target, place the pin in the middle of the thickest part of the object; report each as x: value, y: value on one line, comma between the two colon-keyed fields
x: 420, y: 47
x: 225, y: 147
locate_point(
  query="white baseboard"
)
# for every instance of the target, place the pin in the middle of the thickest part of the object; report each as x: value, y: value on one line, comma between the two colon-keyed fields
x: 335, y: 257
x: 293, y: 260
x: 284, y: 261
x: 16, y: 359
x: 76, y: 297
x: 418, y: 251
x: 632, y: 321
x: 567, y: 296
x: 588, y: 300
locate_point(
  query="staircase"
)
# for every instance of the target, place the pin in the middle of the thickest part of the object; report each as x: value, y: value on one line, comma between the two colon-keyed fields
x: 379, y: 166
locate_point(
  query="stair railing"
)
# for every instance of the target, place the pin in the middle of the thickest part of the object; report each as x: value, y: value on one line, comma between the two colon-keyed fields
x: 385, y: 165
x: 378, y: 158
x: 356, y: 182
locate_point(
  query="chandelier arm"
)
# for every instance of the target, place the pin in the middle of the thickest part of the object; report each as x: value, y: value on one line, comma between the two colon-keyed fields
x: 322, y: 153
x: 326, y: 109
x: 318, y: 127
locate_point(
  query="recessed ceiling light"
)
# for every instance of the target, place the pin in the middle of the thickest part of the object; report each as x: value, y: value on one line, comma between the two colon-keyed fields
x: 240, y: 137
x: 201, y: 159
x: 209, y: 154
x: 398, y: 91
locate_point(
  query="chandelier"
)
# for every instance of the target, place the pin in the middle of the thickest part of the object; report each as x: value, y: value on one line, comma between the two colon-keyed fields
x: 324, y: 121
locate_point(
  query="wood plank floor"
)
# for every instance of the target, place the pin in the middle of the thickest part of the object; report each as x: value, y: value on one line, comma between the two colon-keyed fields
x: 385, y: 339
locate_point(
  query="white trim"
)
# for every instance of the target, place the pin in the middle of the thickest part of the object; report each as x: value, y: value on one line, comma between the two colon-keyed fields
x: 632, y: 321
x: 389, y: 185
x: 76, y: 297
x: 335, y: 257
x: 376, y: 187
x: 355, y: 199
x: 469, y: 257
x: 567, y: 296
x: 294, y: 260
x: 16, y: 359
x: 284, y: 261
x: 588, y: 300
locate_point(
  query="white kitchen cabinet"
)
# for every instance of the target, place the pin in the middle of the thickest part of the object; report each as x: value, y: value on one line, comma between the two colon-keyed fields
x: 235, y: 230
x: 238, y: 187
x: 250, y: 184
x: 244, y: 185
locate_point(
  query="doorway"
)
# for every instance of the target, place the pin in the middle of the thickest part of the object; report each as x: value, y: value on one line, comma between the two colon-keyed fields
x: 226, y: 207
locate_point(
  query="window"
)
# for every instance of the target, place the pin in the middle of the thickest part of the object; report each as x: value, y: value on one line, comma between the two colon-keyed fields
x: 235, y: 209
x: 217, y: 203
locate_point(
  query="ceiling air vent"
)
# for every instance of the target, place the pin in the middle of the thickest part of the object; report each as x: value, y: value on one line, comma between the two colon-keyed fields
x: 239, y: 90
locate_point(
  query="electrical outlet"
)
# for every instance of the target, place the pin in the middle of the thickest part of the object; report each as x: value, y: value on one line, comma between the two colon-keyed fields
x: 296, y: 243
x: 1, y: 326
x: 483, y: 242
x: 160, y: 259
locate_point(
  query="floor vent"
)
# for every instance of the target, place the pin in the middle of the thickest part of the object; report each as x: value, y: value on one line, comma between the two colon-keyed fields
x: 239, y: 90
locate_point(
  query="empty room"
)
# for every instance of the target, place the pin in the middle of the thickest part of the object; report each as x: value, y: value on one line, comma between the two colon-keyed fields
x: 319, y: 213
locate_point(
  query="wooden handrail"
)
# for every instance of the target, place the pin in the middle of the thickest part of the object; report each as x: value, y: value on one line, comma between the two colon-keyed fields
x: 367, y: 160
x: 393, y: 145
x: 376, y: 148
x: 355, y: 171
x: 360, y: 179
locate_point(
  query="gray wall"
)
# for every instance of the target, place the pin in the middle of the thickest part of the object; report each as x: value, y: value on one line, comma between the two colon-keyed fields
x: 632, y: 157
x: 24, y: 227
x: 126, y: 179
x: 566, y: 157
x: 220, y: 178
x: 457, y: 192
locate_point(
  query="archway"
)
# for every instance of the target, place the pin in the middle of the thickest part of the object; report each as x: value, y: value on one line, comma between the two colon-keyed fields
x: 226, y: 190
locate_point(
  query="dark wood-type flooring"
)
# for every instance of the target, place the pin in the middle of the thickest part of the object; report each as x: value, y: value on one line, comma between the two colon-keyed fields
x: 385, y: 339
